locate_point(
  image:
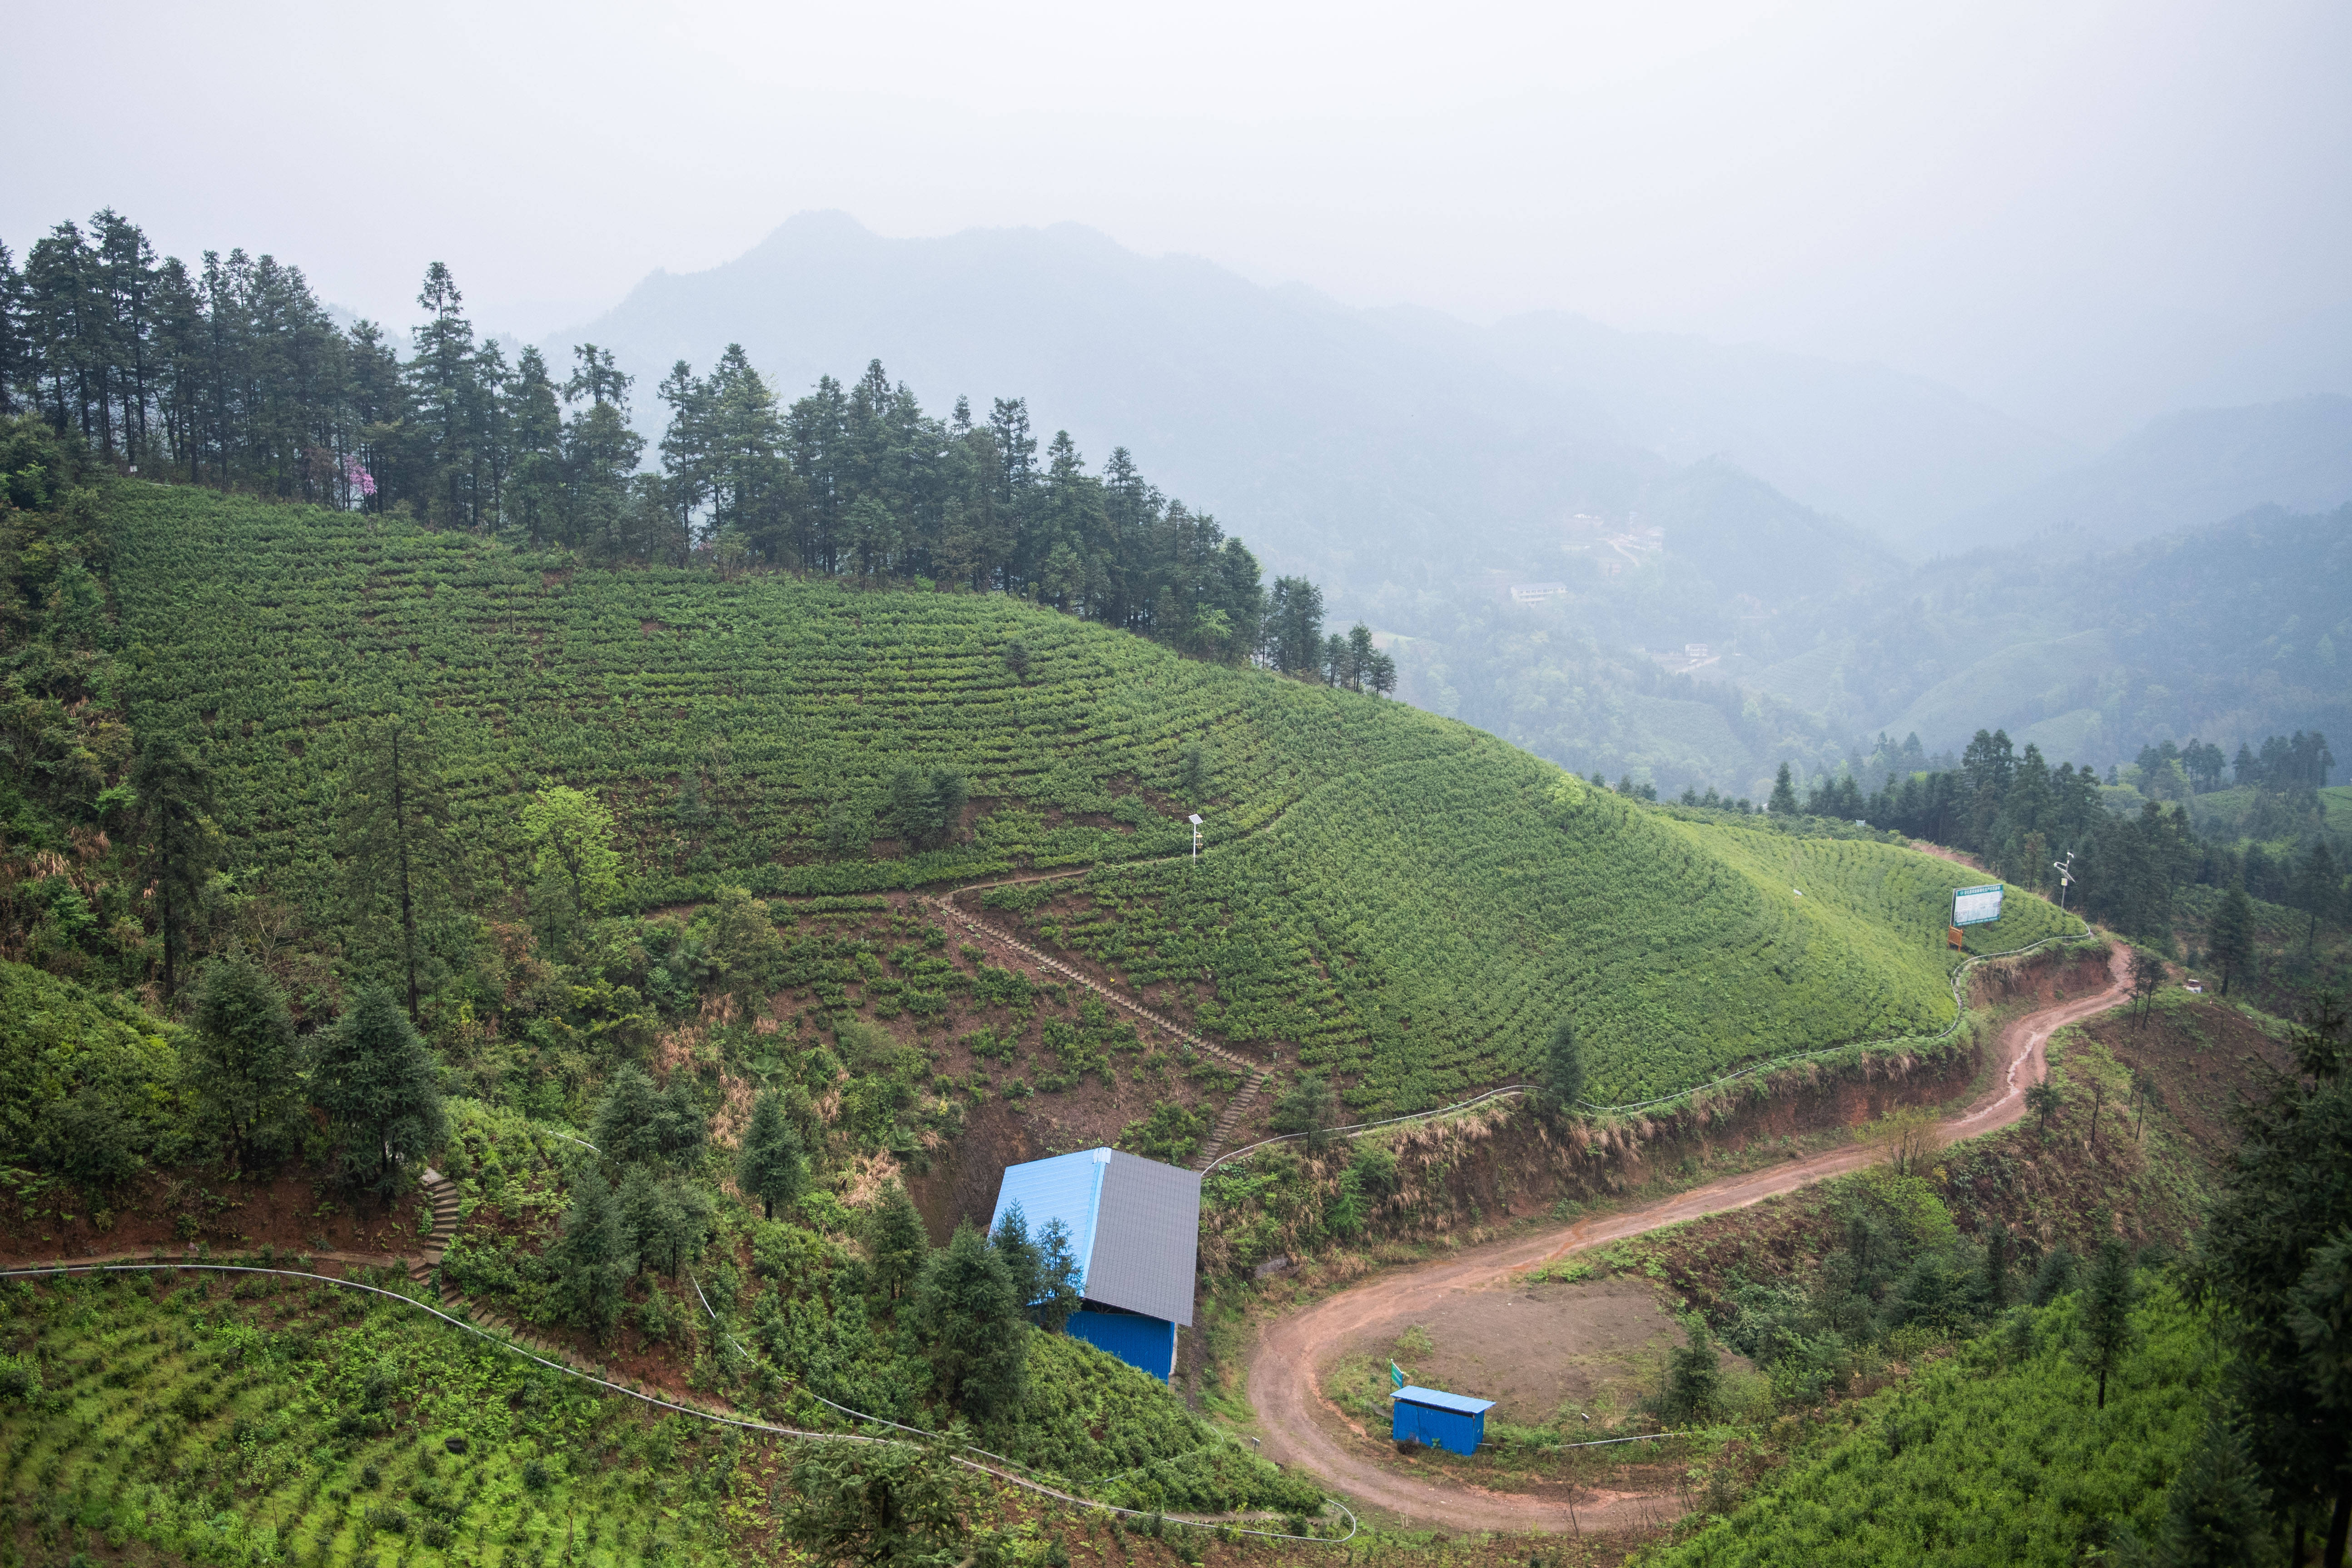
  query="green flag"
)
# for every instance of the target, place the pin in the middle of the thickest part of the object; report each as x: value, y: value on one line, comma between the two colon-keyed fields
x: 1396, y: 1375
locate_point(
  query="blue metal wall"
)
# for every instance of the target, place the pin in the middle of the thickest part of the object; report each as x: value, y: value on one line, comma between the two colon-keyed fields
x: 1447, y: 1429
x: 1140, y: 1341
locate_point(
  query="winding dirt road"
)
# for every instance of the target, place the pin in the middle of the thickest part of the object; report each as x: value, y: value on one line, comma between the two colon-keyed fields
x: 1284, y: 1367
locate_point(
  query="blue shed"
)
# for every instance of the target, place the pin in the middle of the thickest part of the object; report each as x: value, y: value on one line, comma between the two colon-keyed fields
x: 1134, y: 1230
x: 1450, y: 1421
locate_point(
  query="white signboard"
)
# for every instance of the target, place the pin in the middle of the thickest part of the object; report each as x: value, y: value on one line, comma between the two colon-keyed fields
x: 1976, y: 906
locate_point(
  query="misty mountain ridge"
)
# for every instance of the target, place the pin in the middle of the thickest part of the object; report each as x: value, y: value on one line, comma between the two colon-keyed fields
x: 1417, y: 466
x: 2181, y: 471
x: 1345, y: 442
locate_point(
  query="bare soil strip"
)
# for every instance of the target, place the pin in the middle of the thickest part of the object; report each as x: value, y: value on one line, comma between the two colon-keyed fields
x: 1302, y: 1426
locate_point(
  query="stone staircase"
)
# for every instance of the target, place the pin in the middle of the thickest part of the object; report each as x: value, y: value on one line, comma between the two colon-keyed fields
x: 1237, y: 1109
x: 442, y: 1193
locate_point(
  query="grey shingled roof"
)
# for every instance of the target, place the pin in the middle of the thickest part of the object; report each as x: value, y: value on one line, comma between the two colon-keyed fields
x: 1147, y: 1238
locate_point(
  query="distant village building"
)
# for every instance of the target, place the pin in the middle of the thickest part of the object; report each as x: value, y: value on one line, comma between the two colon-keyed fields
x: 1694, y: 650
x: 1537, y: 592
x: 1134, y: 1230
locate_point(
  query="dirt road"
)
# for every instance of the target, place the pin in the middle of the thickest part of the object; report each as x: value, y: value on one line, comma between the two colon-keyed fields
x: 1285, y: 1368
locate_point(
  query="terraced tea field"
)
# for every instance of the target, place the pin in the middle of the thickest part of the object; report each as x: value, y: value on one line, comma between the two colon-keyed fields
x: 267, y: 1420
x: 1398, y: 896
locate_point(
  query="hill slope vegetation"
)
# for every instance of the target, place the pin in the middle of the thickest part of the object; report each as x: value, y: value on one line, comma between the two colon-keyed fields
x: 1398, y: 895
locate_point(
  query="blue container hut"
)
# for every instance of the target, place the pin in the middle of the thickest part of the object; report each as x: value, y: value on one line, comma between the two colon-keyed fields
x: 1134, y: 1230
x: 1453, y: 1422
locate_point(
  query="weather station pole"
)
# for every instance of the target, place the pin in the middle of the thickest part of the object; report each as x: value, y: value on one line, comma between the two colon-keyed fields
x: 2065, y: 869
x: 1195, y: 820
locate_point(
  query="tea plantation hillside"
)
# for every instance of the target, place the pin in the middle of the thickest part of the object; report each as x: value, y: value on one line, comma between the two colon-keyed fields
x: 1399, y: 895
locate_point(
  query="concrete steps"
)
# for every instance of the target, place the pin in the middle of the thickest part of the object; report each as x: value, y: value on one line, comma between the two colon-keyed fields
x: 442, y: 1193
x: 1228, y: 1123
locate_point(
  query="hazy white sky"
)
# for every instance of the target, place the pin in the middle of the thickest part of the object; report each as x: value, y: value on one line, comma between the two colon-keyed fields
x: 2081, y: 212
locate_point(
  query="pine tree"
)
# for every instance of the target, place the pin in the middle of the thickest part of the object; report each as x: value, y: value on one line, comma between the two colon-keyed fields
x: 2147, y: 974
x: 2214, y: 1509
x: 1307, y: 1108
x: 374, y: 1079
x: 1694, y: 1377
x: 1784, y: 794
x: 445, y: 381
x: 2318, y: 891
x: 534, y: 491
x: 880, y: 1506
x: 2108, y: 1329
x: 1561, y: 1075
x: 1023, y: 1262
x: 772, y: 1167
x: 967, y: 1319
x: 1058, y: 1277
x: 591, y: 1260
x: 638, y: 1124
x: 895, y: 1241
x: 405, y: 870
x: 1996, y: 1269
x: 2231, y: 941
x: 177, y: 839
x: 2289, y: 1200
x: 245, y: 1059
x: 14, y: 353
x: 664, y: 1222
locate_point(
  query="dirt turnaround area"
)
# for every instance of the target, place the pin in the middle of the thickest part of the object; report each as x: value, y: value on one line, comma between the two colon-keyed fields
x: 1294, y: 1352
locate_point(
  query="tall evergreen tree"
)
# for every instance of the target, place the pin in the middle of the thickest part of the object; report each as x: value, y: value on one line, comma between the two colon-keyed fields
x: 246, y: 1062
x: 895, y: 1242
x: 881, y: 1506
x: 638, y: 1124
x: 1022, y: 1263
x: 2230, y: 942
x: 15, y: 351
x: 177, y: 839
x: 1694, y: 1376
x: 2264, y: 1245
x: 592, y: 1261
x: 375, y: 1081
x: 1562, y: 1072
x: 1058, y: 1277
x: 2318, y: 891
x: 533, y: 499
x: 969, y: 1323
x: 445, y: 378
x: 405, y: 870
x: 1784, y: 794
x: 2213, y: 1509
x: 2106, y: 1324
x: 773, y: 1166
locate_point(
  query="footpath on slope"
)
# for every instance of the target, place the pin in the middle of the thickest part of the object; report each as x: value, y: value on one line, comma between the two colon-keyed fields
x: 1291, y: 1351
x: 1259, y: 1072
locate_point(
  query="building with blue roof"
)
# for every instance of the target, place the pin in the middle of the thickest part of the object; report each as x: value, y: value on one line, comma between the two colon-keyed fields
x: 1453, y: 1422
x: 1135, y: 1231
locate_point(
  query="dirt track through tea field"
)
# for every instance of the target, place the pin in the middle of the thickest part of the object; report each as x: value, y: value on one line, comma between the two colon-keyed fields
x: 1303, y: 1428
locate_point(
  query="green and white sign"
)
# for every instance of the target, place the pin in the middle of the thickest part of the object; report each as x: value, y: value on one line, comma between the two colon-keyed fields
x: 1976, y: 906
